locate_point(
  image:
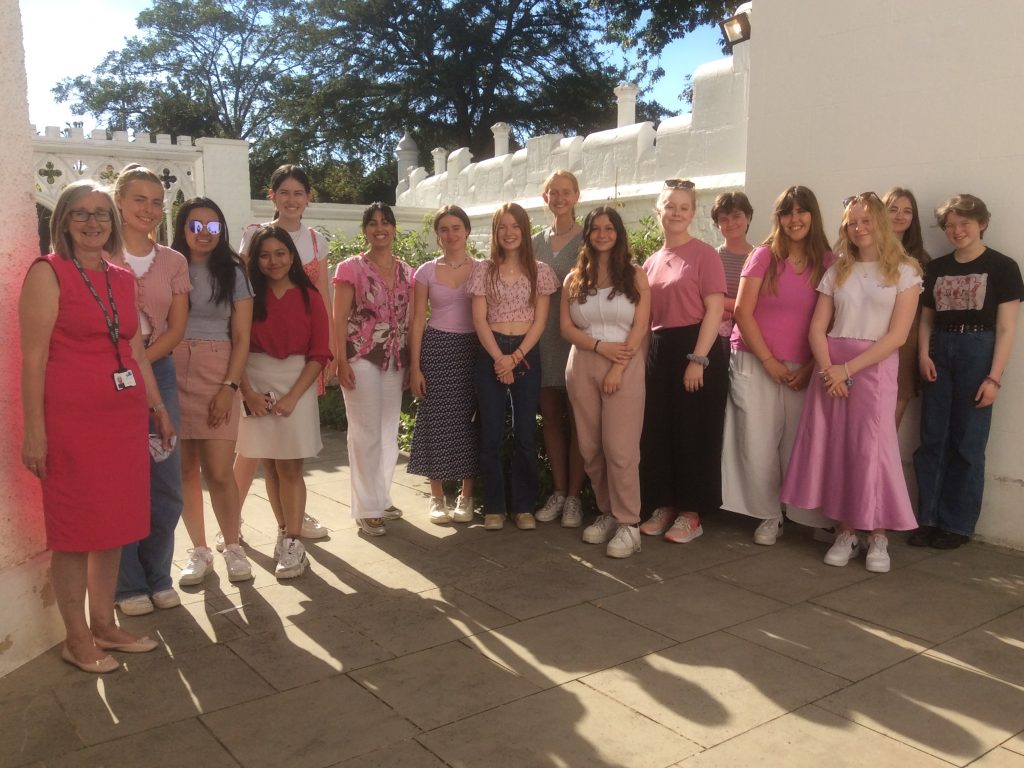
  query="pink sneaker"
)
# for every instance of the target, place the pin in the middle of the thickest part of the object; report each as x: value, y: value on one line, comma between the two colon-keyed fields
x: 659, y: 522
x: 684, y: 530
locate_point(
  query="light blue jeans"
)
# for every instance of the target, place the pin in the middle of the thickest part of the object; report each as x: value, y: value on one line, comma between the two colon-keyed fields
x: 146, y: 564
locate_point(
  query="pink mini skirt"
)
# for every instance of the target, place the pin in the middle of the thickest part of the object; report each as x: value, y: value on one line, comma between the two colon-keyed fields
x: 202, y: 368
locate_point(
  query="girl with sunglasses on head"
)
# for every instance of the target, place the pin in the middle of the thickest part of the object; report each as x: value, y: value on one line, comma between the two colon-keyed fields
x: 511, y: 292
x: 291, y: 192
x: 687, y: 375
x: 209, y: 364
x: 605, y: 314
x: 969, y: 314
x: 288, y: 349
x: 372, y: 294
x: 558, y: 246
x: 161, y: 276
x: 906, y: 224
x: 85, y: 384
x: 771, y: 363
x: 846, y: 457
x: 442, y: 353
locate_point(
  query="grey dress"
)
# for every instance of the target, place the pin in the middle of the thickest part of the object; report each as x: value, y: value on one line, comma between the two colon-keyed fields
x: 554, y: 350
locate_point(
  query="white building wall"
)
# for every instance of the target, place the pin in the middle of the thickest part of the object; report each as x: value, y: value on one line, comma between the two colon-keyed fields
x: 920, y: 93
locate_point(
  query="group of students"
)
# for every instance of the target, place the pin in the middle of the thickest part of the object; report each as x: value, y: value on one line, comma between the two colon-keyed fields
x: 766, y: 381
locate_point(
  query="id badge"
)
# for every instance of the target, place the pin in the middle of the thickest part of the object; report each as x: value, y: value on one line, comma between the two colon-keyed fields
x: 124, y: 379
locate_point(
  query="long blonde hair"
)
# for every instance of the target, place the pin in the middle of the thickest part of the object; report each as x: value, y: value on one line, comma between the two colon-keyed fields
x: 891, y: 253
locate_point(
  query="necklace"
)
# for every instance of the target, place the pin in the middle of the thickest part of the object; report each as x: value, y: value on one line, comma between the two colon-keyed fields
x: 556, y: 233
x: 462, y: 263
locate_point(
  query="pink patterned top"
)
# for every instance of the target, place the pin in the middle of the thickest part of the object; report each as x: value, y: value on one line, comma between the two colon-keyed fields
x: 508, y: 301
x: 166, y: 277
x: 378, y: 327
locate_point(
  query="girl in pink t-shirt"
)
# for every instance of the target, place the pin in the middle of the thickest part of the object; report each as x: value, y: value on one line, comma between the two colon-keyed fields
x: 771, y: 362
x: 687, y: 379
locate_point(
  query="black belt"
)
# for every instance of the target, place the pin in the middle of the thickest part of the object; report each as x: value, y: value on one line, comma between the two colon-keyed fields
x: 966, y: 328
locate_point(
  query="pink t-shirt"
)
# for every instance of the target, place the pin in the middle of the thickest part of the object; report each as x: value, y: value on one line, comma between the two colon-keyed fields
x: 378, y: 328
x: 784, y: 317
x: 451, y: 309
x: 680, y: 279
x: 508, y: 301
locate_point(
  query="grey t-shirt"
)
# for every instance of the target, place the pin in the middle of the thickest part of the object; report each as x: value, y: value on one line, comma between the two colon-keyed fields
x: 207, y: 319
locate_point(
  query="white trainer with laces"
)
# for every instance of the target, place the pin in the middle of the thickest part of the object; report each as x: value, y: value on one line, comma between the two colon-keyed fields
x: 572, y: 512
x: 135, y: 605
x: 237, y: 563
x: 552, y: 508
x: 166, y: 598
x: 768, y: 531
x: 601, y: 530
x: 218, y: 540
x: 845, y: 547
x: 292, y: 561
x: 463, y: 511
x: 200, y: 563
x: 877, y: 560
x: 624, y: 543
x: 439, y: 511
x: 311, y: 528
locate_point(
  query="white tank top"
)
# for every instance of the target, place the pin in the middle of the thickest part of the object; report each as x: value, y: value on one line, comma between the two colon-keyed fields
x: 604, y: 319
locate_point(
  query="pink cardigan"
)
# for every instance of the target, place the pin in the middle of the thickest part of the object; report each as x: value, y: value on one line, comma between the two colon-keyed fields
x: 166, y: 277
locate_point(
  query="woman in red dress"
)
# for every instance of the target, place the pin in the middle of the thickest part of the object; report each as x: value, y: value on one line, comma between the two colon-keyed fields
x: 85, y: 384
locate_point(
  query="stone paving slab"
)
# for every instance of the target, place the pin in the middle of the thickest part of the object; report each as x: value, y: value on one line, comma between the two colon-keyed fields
x: 455, y: 646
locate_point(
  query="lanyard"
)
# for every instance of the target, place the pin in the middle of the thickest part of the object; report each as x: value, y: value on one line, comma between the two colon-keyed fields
x: 113, y: 325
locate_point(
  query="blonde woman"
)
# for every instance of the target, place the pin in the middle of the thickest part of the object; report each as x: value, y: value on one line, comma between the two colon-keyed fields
x: 846, y: 459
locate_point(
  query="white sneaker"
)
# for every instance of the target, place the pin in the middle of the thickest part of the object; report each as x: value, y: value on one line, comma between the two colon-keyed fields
x: 599, y: 531
x: 552, y: 508
x: 200, y: 563
x: 277, y: 544
x: 768, y: 531
x: 572, y: 512
x: 371, y: 526
x: 311, y: 528
x: 166, y: 598
x: 237, y: 563
x: 392, y: 513
x: 439, y: 511
x: 624, y: 543
x: 136, y: 605
x: 845, y: 547
x: 292, y: 561
x: 463, y: 511
x: 218, y: 540
x: 877, y: 560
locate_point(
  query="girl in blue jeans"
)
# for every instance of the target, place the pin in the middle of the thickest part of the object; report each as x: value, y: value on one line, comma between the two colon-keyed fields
x: 968, y: 319
x: 510, y: 293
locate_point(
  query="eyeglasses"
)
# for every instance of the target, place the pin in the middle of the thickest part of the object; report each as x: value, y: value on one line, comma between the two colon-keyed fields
x: 863, y: 196
x: 679, y: 184
x: 100, y: 216
x: 196, y: 227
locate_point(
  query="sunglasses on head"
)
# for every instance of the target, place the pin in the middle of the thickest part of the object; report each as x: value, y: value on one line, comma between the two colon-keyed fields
x: 862, y: 197
x: 679, y: 184
x: 196, y: 227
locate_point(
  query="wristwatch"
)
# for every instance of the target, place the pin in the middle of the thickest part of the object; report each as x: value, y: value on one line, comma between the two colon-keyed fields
x: 232, y: 384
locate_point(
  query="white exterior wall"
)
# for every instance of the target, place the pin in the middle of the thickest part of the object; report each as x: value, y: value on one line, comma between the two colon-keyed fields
x: 919, y: 93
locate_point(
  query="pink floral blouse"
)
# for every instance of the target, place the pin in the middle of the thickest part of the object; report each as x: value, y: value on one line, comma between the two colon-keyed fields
x: 378, y: 328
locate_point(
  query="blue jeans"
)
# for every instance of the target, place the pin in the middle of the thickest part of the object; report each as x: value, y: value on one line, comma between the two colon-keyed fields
x: 950, y: 464
x: 493, y: 398
x: 146, y: 564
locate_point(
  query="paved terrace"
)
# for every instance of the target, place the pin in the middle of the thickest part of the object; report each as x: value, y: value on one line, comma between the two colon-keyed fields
x: 454, y: 646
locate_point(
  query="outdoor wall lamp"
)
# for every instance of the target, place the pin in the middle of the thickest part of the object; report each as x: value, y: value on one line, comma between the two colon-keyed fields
x: 737, y: 29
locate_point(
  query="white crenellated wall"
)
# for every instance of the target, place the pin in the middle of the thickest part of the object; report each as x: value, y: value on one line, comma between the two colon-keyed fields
x: 917, y: 93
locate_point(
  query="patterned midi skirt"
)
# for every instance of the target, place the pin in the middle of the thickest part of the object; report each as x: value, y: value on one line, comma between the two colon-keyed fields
x: 445, y: 442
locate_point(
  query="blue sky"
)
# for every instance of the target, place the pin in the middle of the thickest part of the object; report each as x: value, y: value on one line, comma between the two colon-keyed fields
x: 101, y: 26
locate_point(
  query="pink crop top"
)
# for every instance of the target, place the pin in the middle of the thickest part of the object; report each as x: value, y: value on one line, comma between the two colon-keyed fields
x: 508, y: 301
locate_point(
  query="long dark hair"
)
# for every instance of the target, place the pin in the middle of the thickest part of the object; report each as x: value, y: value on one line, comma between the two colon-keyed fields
x: 289, y: 171
x: 223, y: 260
x: 583, y: 280
x: 913, y: 241
x: 526, y: 257
x: 779, y: 243
x: 259, y: 281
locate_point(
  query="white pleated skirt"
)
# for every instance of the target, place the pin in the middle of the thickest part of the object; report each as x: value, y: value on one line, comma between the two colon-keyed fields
x: 296, y: 436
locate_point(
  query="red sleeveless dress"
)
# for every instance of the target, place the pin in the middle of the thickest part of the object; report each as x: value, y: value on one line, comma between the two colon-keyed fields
x: 96, y: 491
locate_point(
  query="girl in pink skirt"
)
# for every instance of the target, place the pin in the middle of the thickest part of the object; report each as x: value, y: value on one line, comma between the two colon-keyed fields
x: 846, y: 458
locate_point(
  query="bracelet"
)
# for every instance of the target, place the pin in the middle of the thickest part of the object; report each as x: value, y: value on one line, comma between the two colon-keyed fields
x: 704, y: 361
x: 847, y: 369
x: 595, y: 345
x: 232, y: 384
x: 766, y: 359
x: 155, y: 409
x: 989, y: 378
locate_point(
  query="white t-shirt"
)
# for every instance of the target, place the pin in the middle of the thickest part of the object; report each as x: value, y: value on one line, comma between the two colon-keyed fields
x: 140, y: 265
x: 308, y: 247
x: 864, y: 303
